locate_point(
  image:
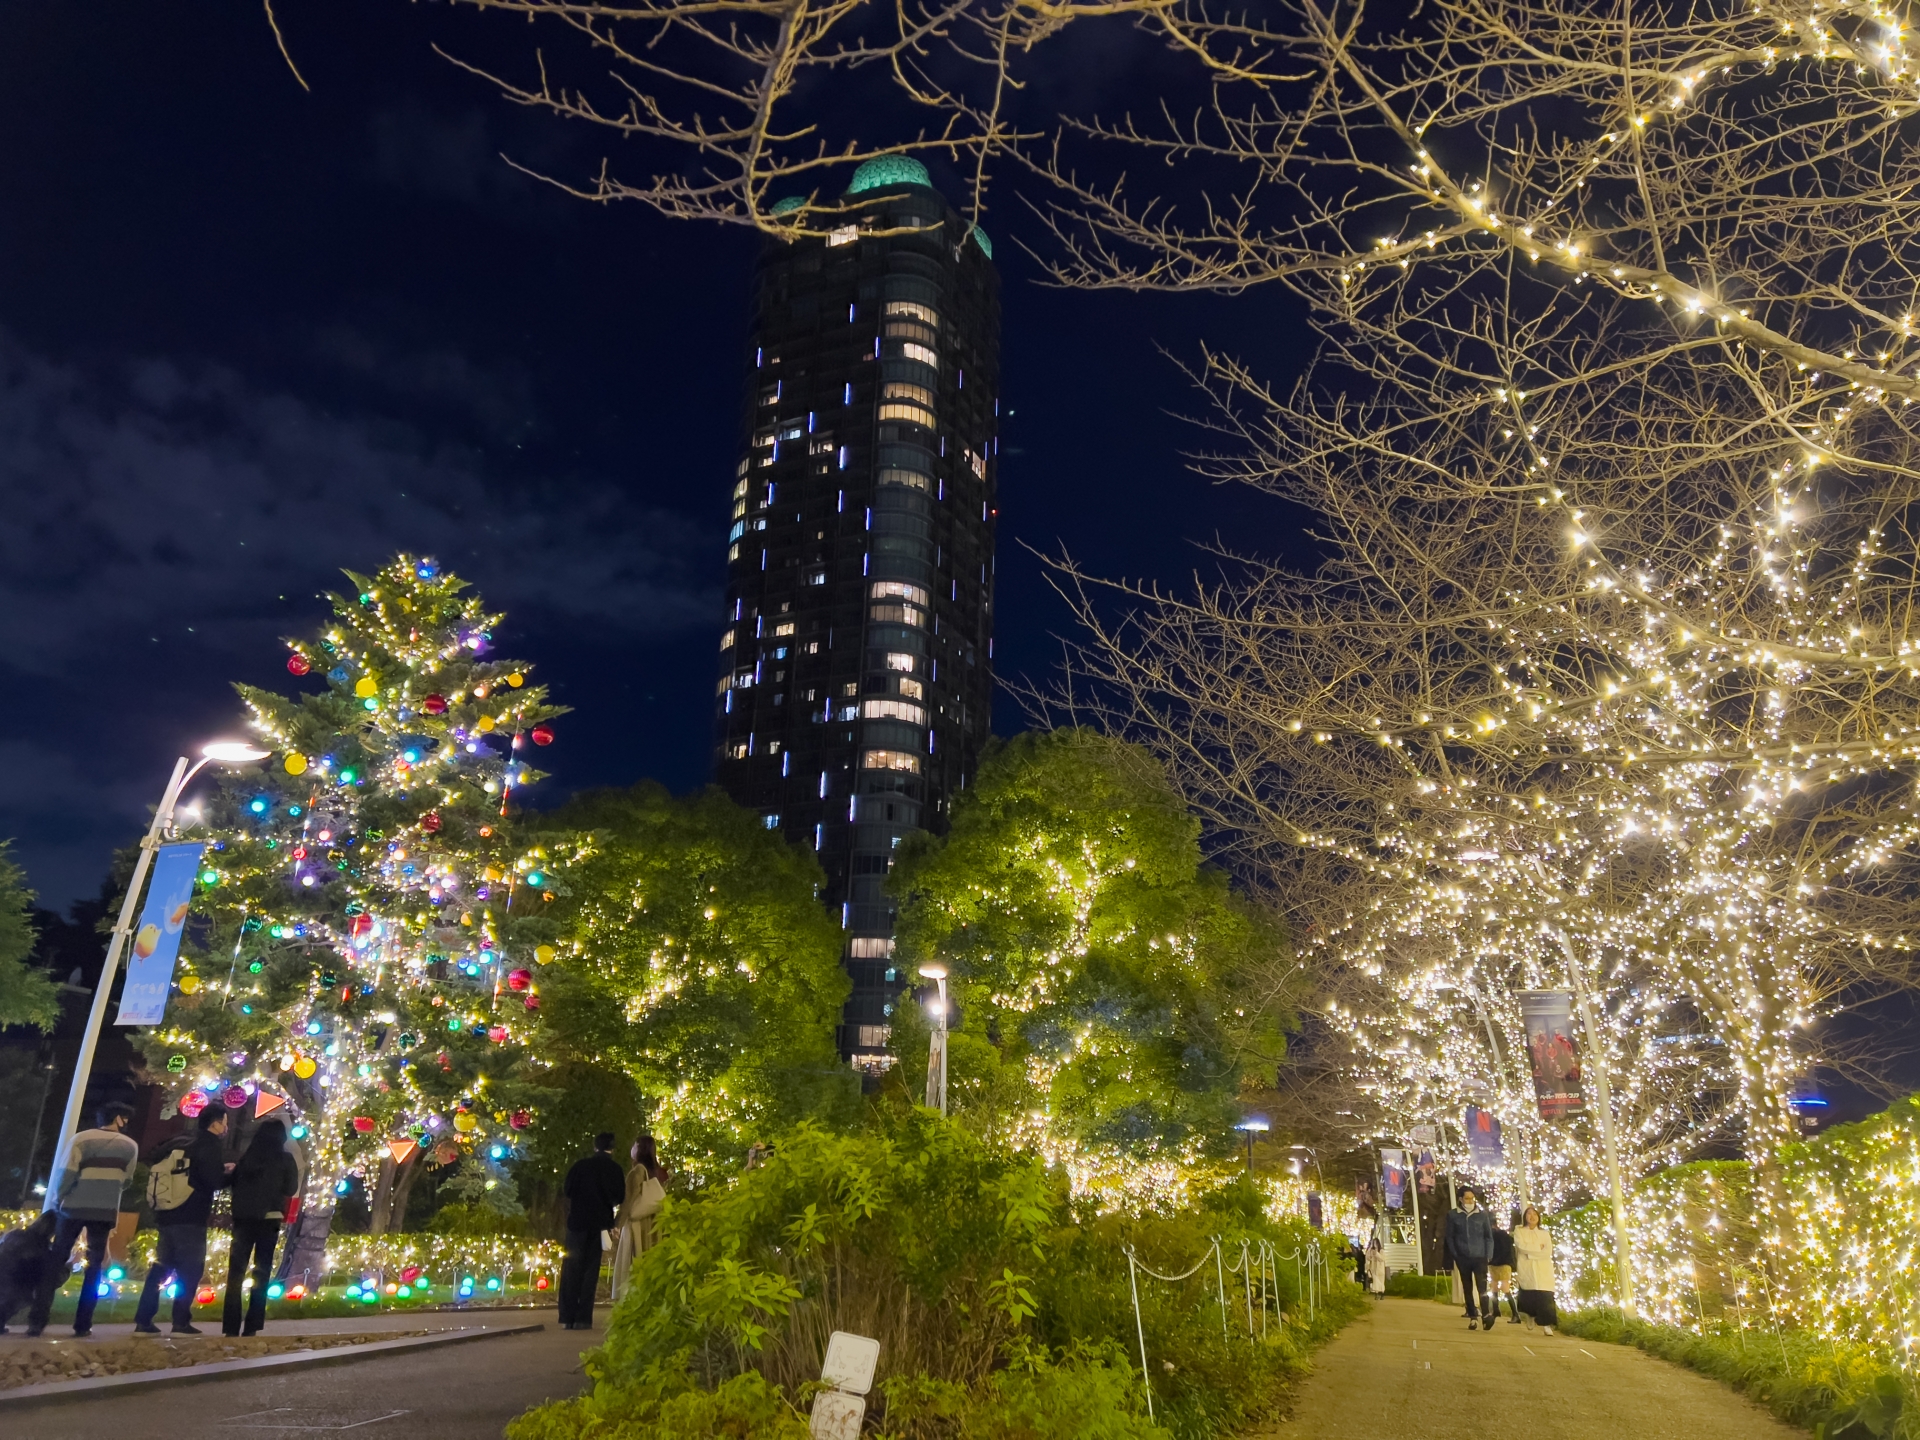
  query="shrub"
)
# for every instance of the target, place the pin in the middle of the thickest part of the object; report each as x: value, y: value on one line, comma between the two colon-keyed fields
x: 1001, y: 1314
x: 1409, y: 1286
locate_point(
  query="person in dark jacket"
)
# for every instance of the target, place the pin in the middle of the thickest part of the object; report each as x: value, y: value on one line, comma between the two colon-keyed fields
x: 1500, y: 1273
x: 596, y: 1186
x: 25, y: 1255
x: 181, y: 1248
x: 264, y: 1184
x: 1469, y: 1249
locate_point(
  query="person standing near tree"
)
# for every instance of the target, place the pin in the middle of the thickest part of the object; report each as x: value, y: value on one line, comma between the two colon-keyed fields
x: 1500, y: 1273
x: 1469, y: 1249
x: 86, y: 1194
x: 1533, y: 1247
x: 595, y: 1189
x: 264, y: 1184
x: 180, y: 1188
x: 646, y: 1193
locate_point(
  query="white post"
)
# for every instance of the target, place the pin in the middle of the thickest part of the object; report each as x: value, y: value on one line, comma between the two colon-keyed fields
x: 1413, y: 1193
x: 116, y: 946
x: 937, y: 1054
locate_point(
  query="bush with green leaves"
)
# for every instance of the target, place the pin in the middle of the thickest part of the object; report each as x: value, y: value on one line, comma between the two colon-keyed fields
x: 1002, y: 1309
x: 1108, y: 982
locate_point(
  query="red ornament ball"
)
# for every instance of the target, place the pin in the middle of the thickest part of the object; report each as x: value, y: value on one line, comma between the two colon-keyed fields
x: 520, y: 1119
x: 430, y: 822
x: 519, y: 979
x: 410, y: 1274
x: 541, y: 1283
x: 542, y: 735
x: 298, y: 664
x: 497, y: 1033
x: 361, y: 924
x: 363, y: 1123
x: 533, y: 1002
x: 434, y: 704
x: 192, y: 1103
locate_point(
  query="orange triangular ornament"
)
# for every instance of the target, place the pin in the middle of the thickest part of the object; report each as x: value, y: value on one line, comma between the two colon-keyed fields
x: 265, y: 1104
x: 400, y: 1150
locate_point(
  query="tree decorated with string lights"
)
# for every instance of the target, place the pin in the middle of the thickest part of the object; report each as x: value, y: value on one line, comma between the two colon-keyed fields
x: 369, y: 929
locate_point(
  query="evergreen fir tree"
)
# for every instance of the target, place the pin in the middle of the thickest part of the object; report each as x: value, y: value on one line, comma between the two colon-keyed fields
x: 368, y: 930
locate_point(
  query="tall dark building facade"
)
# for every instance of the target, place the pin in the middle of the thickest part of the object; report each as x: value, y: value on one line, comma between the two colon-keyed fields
x: 856, y: 665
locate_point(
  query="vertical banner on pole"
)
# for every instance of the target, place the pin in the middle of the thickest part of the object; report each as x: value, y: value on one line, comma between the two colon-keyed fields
x: 1548, y: 1016
x: 1483, y: 1139
x: 1393, y: 1177
x: 156, y: 942
x: 1316, y: 1216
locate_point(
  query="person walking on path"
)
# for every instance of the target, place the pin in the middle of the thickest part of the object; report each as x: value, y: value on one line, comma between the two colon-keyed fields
x: 1533, y: 1247
x: 86, y: 1193
x: 595, y: 1190
x: 264, y: 1184
x: 646, y: 1193
x: 1470, y: 1248
x: 1500, y: 1273
x: 180, y: 1188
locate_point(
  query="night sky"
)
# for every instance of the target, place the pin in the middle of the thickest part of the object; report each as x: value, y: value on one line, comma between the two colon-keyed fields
x: 251, y: 335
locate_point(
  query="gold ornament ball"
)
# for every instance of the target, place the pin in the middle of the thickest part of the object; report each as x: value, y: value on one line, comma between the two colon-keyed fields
x: 189, y: 984
x: 296, y: 764
x: 304, y: 1068
x: 365, y: 687
x: 516, y: 679
x: 543, y: 954
x: 464, y: 1123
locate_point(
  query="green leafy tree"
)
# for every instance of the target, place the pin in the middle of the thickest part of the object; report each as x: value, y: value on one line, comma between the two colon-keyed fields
x: 368, y: 924
x: 700, y: 966
x: 1125, y: 983
x: 28, y: 995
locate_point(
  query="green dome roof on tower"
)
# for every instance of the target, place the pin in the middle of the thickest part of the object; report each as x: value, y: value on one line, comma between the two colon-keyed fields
x: 792, y: 202
x: 889, y: 170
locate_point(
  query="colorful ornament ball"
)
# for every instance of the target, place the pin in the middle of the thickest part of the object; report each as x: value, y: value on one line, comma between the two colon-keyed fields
x: 519, y: 979
x: 298, y: 664
x: 542, y: 735
x: 430, y: 822
x: 296, y: 764
x: 363, y: 1123
x: 434, y: 704
x: 192, y: 1103
x: 235, y: 1097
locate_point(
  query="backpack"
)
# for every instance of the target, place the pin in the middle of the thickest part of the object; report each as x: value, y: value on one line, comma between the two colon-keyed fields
x: 167, y: 1185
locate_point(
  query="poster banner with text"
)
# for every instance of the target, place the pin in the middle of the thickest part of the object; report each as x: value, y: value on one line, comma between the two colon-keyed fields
x: 156, y: 939
x: 1425, y: 1172
x: 1316, y: 1215
x: 1393, y: 1177
x: 1483, y: 1139
x: 1548, y: 1017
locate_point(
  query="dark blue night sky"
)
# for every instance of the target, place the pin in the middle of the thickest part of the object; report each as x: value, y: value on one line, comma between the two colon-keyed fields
x: 250, y: 335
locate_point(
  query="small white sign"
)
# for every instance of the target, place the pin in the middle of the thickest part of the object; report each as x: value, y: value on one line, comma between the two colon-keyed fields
x: 850, y: 1362
x: 1423, y: 1135
x: 837, y: 1415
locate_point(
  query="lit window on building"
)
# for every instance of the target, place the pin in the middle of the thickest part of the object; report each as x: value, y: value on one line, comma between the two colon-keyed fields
x: 896, y: 476
x: 919, y: 353
x: 904, y: 761
x: 897, y: 661
x: 911, y: 688
x: 772, y: 822
x: 910, y: 310
x: 843, y: 235
x: 900, y: 390
x: 893, y: 710
x: 870, y: 947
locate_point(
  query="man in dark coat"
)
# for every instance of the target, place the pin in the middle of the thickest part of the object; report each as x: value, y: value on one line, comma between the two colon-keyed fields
x: 595, y: 1188
x: 1469, y: 1248
x: 180, y: 1248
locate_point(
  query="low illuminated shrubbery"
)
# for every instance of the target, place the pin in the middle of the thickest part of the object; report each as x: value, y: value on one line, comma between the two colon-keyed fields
x: 1002, y: 1314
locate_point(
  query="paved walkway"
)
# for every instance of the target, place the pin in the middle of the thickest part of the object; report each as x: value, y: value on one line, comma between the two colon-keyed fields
x: 465, y: 1392
x: 1412, y: 1364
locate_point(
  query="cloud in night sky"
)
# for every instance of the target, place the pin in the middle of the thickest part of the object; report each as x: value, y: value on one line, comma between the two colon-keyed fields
x: 166, y: 524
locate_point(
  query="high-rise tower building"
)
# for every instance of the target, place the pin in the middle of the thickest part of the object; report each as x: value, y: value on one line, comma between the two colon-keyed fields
x: 856, y: 666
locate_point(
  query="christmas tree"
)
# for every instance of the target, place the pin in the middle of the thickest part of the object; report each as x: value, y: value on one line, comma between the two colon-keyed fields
x: 367, y: 931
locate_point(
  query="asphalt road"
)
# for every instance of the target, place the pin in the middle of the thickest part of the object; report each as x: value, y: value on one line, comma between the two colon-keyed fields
x: 1412, y: 1365
x: 462, y: 1392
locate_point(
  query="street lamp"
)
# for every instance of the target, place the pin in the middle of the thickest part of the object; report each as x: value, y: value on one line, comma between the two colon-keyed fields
x: 1253, y: 1125
x: 937, y: 1047
x: 220, y: 752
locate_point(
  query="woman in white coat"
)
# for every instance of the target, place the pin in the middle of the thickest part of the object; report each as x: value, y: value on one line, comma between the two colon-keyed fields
x: 1533, y: 1269
x: 646, y: 1192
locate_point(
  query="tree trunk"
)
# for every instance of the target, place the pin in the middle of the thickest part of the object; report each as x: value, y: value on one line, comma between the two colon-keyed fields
x: 387, y: 1211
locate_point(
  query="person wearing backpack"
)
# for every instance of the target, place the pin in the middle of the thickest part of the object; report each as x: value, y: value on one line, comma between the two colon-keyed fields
x: 180, y: 1189
x: 264, y: 1184
x: 86, y: 1194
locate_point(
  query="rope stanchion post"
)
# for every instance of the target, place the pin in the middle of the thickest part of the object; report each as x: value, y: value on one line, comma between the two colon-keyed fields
x: 1139, y: 1329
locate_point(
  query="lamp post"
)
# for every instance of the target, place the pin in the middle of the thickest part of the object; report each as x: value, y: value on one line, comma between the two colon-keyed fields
x: 223, y: 752
x: 1251, y: 1126
x: 937, y: 1047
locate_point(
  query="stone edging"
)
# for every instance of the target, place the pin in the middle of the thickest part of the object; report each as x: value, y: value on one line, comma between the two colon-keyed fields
x: 97, y: 1385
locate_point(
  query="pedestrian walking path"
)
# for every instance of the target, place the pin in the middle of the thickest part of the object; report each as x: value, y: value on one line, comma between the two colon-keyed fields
x: 1413, y: 1363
